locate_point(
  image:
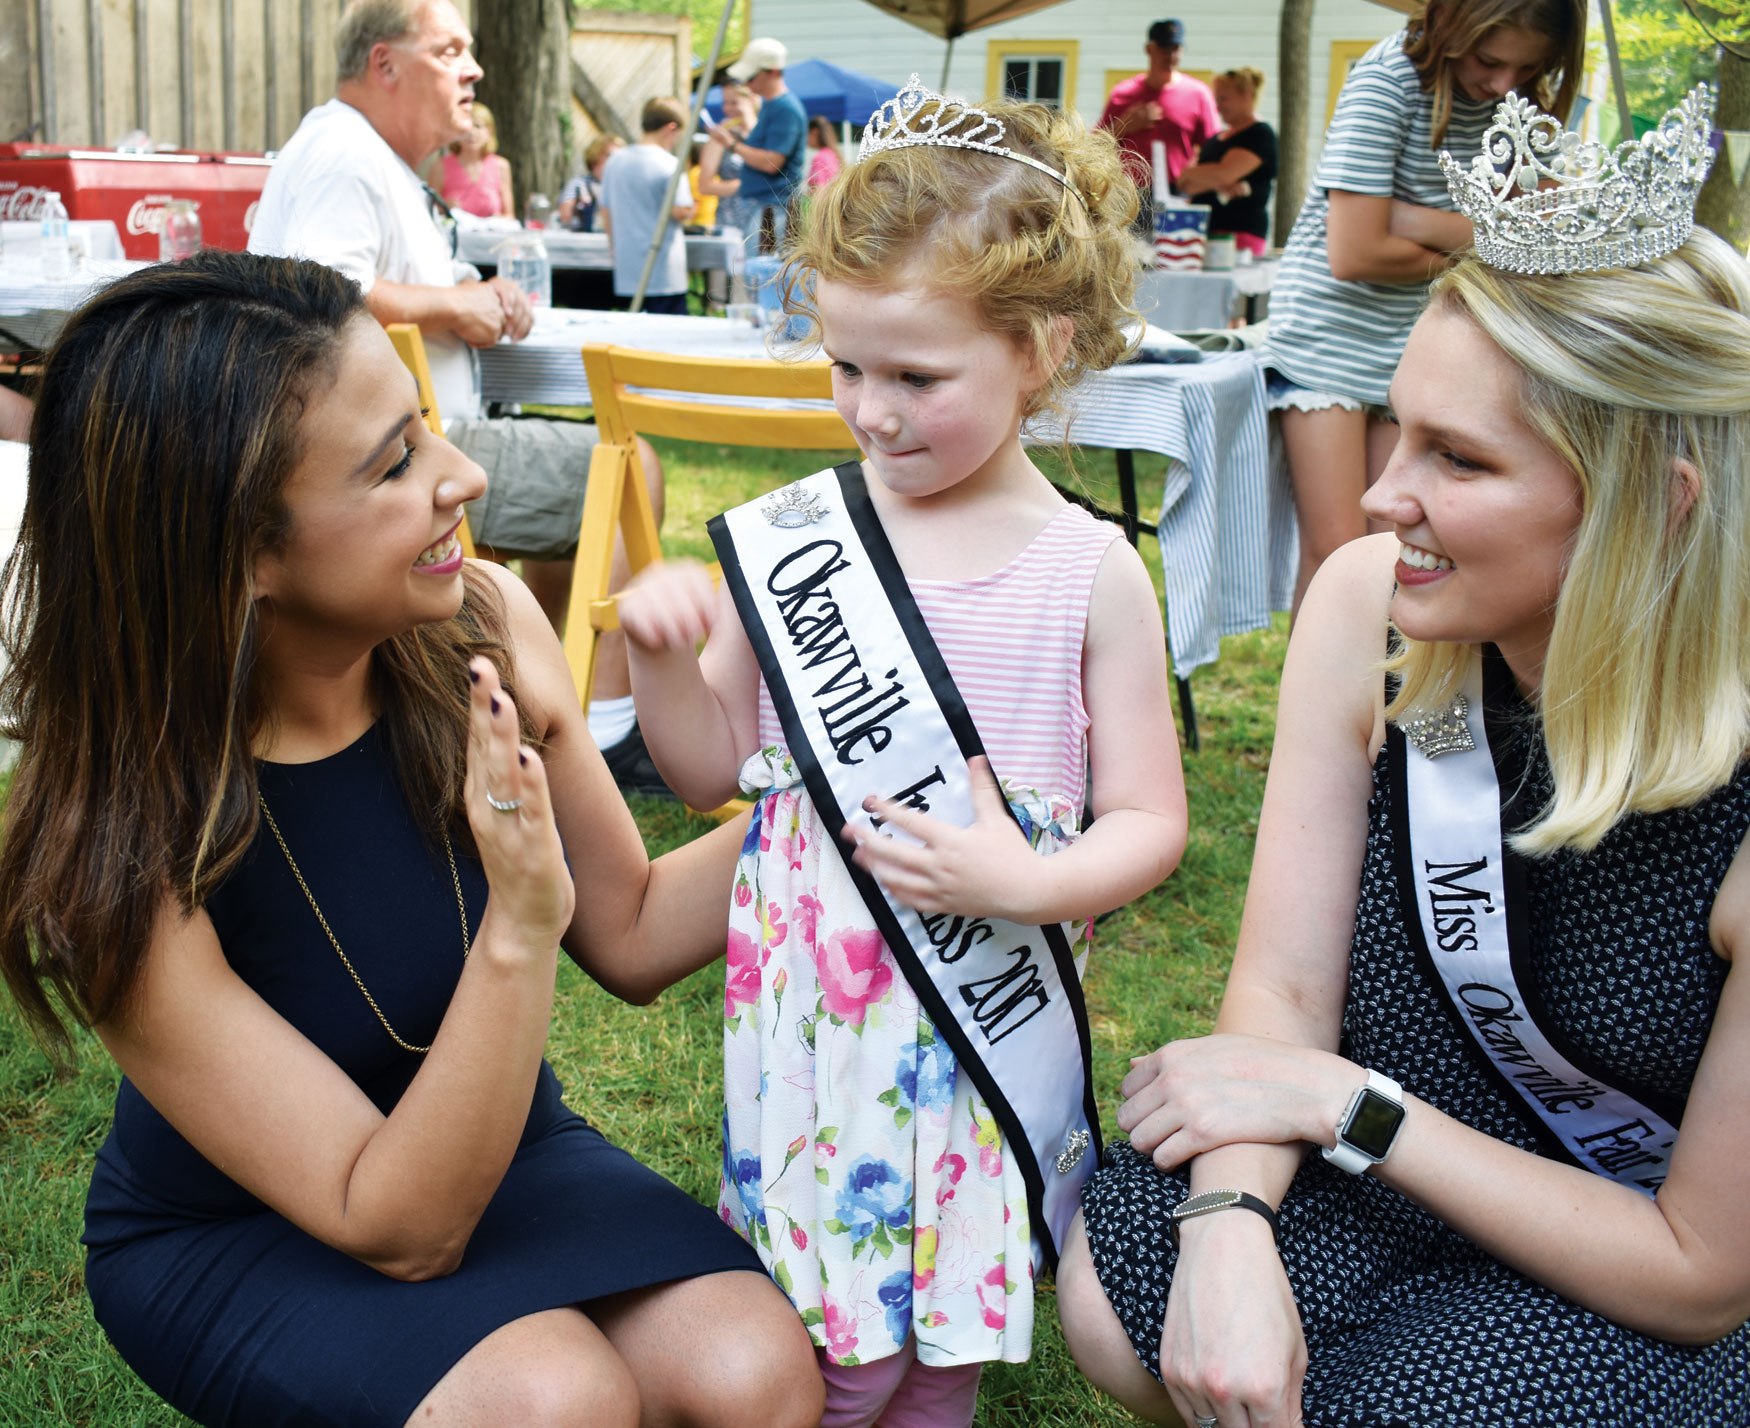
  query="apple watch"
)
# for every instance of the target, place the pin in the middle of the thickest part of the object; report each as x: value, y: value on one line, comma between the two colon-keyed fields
x: 1369, y: 1124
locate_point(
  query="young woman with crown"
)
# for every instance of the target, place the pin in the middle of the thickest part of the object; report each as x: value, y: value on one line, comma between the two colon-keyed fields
x: 1488, y: 961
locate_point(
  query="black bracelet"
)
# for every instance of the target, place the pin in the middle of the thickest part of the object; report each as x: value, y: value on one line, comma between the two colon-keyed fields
x: 1209, y: 1201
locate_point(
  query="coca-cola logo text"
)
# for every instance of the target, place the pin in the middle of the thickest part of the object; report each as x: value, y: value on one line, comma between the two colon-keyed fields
x: 23, y: 204
x: 147, y: 213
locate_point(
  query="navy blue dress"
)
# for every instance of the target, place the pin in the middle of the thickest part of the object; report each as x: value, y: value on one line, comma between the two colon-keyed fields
x: 235, y: 1316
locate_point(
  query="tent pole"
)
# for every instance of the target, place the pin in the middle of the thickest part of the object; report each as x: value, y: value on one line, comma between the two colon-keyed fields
x: 1616, y: 80
x: 666, y: 215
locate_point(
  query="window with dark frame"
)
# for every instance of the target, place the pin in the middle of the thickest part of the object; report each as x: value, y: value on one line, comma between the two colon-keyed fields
x: 1032, y: 79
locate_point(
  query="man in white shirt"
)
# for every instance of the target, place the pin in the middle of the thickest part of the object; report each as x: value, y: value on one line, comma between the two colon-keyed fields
x: 634, y: 185
x: 344, y: 191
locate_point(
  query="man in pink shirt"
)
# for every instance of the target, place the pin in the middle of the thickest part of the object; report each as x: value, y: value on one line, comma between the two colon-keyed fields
x: 1162, y: 104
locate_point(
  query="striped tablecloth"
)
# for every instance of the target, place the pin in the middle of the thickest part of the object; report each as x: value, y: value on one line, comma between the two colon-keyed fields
x: 590, y: 250
x: 1226, y: 522
x: 1187, y: 302
x: 32, y: 311
x: 14, y: 468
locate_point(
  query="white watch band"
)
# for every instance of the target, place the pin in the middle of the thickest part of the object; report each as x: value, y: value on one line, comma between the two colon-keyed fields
x: 1351, y: 1158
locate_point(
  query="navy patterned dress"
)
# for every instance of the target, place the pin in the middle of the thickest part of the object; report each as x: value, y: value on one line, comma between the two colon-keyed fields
x: 1407, y: 1322
x: 234, y: 1315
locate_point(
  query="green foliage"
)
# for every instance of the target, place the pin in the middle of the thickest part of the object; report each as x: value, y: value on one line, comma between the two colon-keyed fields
x: 1665, y: 50
x: 651, y: 1077
x: 705, y: 15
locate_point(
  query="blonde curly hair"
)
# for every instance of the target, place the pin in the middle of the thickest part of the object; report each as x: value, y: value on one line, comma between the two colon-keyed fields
x: 1030, y: 252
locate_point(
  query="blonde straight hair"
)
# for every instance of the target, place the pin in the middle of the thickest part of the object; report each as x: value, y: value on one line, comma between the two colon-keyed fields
x: 1645, y: 698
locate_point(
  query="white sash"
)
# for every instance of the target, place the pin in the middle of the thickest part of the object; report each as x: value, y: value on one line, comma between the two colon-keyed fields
x: 868, y: 706
x: 1469, y: 914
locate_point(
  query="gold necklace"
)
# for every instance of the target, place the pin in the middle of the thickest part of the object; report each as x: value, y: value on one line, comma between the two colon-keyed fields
x: 351, y: 971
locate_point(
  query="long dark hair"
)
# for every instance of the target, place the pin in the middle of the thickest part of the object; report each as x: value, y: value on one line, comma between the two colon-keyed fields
x: 167, y: 425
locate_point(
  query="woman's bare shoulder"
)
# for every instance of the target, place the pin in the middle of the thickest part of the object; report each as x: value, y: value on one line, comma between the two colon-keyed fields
x: 1339, y: 637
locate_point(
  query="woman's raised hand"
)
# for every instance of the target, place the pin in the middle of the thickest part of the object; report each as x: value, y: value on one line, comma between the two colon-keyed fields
x: 512, y: 817
x: 668, y: 606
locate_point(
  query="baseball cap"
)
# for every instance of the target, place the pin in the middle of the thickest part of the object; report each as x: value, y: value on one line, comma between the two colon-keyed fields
x: 1168, y: 34
x: 758, y: 55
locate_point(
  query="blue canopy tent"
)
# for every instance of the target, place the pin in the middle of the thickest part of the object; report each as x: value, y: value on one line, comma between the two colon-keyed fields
x: 839, y: 95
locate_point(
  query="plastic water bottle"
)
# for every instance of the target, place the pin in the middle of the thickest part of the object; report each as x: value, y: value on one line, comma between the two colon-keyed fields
x: 57, y: 255
x: 180, y: 237
x: 522, y: 258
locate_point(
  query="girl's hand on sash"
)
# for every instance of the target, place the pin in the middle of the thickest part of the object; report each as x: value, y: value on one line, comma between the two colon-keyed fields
x: 668, y: 606
x: 1194, y: 1095
x: 1232, y: 1344
x: 987, y: 870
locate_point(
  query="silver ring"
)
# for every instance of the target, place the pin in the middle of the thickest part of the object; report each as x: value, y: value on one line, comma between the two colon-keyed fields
x: 503, y: 805
x: 1210, y: 1422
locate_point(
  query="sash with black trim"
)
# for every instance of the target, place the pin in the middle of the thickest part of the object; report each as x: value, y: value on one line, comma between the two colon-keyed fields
x: 868, y: 707
x: 1463, y: 894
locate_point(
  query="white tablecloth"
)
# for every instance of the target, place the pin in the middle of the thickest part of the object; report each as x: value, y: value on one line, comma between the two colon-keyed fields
x: 97, y: 235
x: 1226, y: 522
x: 1191, y: 302
x: 588, y: 250
x: 32, y: 310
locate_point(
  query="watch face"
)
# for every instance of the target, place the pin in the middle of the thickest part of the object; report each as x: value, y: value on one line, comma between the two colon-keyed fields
x: 1373, y: 1124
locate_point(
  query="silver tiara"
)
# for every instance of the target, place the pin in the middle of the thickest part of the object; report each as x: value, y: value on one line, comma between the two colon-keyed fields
x: 1540, y: 200
x: 901, y: 124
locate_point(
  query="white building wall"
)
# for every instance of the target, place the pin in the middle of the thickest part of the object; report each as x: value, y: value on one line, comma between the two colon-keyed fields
x: 1110, y: 33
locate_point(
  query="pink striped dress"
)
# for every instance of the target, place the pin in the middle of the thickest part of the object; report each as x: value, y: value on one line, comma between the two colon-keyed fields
x: 866, y: 1171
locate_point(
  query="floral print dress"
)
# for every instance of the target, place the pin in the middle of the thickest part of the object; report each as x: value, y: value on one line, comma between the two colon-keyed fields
x: 870, y: 1175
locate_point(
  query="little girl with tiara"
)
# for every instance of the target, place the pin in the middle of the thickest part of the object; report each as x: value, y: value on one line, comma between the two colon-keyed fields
x: 908, y: 1110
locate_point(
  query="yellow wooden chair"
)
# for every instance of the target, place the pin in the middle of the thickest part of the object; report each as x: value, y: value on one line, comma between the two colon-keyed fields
x: 617, y: 500
x: 410, y: 348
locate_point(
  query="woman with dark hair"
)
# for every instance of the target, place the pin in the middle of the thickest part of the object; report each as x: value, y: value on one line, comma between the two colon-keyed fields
x: 290, y: 829
x: 824, y: 165
x: 1376, y: 226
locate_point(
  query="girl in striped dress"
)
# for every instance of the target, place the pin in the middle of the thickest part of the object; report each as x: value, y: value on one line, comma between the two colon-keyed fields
x: 958, y: 293
x: 1377, y: 225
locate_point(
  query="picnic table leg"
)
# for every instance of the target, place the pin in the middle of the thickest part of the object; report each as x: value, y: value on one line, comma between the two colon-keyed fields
x: 1133, y: 525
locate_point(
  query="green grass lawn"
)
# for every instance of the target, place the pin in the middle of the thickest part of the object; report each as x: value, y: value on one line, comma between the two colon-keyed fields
x: 650, y: 1077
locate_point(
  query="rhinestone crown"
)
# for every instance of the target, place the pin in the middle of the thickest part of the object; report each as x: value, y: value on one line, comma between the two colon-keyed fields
x: 1444, y: 732
x: 792, y: 507
x: 1541, y: 200
x: 902, y: 123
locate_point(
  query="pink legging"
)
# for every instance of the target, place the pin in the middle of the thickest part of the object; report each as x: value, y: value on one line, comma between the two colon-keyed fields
x: 898, y: 1392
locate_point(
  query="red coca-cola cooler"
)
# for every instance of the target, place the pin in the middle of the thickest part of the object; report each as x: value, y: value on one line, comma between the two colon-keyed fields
x: 132, y: 190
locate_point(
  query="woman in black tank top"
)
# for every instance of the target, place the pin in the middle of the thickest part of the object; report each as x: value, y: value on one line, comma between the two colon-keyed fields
x: 1235, y: 168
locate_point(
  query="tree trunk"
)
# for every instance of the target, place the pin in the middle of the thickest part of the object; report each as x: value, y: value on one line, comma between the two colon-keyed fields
x: 524, y: 47
x: 1293, y: 51
x: 1725, y: 202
